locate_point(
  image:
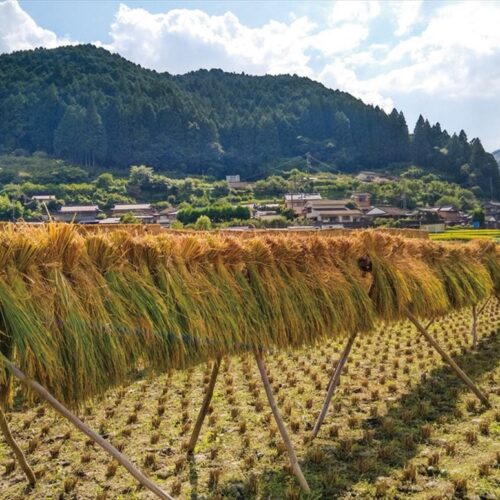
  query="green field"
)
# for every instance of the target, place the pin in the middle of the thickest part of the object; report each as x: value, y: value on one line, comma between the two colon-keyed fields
x: 467, y: 235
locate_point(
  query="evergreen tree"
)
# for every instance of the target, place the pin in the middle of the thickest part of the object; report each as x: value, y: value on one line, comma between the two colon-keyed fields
x: 70, y: 135
x: 421, y: 147
x: 95, y: 141
x: 485, y: 170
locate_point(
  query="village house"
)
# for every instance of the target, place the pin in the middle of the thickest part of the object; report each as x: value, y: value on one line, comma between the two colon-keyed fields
x: 44, y: 198
x: 297, y: 201
x: 137, y: 209
x: 332, y: 212
x: 235, y: 182
x: 449, y: 216
x: 82, y: 214
x: 368, y: 176
x: 492, y: 214
x: 362, y: 200
x: 167, y: 216
x: 142, y: 211
x: 268, y: 212
x: 387, y: 212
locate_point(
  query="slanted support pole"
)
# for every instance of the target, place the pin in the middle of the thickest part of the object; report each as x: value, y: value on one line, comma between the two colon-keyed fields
x: 119, y: 457
x: 4, y: 425
x: 204, y: 406
x: 475, y: 314
x: 483, y: 306
x: 448, y: 359
x: 279, y: 421
x: 474, y: 327
x: 334, y: 381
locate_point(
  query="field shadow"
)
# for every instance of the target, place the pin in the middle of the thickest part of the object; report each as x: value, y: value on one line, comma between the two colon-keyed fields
x: 332, y: 468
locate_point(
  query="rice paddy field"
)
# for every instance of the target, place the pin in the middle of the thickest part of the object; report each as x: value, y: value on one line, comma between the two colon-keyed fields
x: 401, y: 426
x: 467, y: 235
x: 129, y: 333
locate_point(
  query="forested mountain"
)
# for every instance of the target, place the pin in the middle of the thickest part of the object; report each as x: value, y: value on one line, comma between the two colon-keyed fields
x: 89, y: 106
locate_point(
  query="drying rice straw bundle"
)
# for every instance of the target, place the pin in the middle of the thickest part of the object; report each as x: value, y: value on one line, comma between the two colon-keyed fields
x: 464, y: 276
x: 79, y: 313
x: 401, y: 281
x: 489, y: 254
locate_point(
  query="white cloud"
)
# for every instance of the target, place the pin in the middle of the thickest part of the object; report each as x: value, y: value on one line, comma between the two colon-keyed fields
x: 181, y: 40
x: 359, y: 11
x: 457, y: 54
x: 338, y: 75
x: 18, y: 31
x: 406, y: 14
x: 341, y: 39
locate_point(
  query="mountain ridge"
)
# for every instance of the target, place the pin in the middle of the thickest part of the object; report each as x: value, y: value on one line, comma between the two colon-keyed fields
x: 87, y: 105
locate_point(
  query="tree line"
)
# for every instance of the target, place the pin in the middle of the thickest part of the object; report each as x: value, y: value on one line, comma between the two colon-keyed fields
x: 91, y: 107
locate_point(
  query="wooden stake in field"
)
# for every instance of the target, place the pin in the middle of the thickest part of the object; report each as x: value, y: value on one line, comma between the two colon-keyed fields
x: 474, y: 327
x: 334, y: 381
x: 475, y: 314
x: 120, y: 458
x: 204, y: 406
x: 279, y: 421
x: 15, y: 448
x: 448, y: 359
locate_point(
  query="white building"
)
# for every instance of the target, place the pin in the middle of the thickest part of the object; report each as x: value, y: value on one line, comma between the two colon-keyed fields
x: 331, y: 212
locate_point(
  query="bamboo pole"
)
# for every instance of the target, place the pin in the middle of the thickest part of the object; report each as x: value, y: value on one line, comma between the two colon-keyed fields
x: 4, y: 425
x: 204, y: 406
x: 474, y: 327
x: 448, y: 359
x: 334, y: 380
x: 120, y: 458
x: 279, y: 421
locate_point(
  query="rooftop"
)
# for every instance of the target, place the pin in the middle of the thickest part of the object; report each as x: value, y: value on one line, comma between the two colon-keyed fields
x: 133, y: 206
x: 44, y: 197
x: 387, y: 210
x: 302, y: 196
x: 346, y: 211
x: 79, y: 208
x: 327, y: 203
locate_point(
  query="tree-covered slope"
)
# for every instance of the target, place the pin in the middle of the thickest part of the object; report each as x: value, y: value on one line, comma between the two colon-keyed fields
x: 89, y: 106
x: 267, y: 117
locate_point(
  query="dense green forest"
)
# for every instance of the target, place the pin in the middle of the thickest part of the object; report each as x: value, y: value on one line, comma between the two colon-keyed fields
x: 88, y: 106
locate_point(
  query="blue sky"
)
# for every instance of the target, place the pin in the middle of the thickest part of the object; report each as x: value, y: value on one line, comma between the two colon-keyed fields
x: 438, y: 58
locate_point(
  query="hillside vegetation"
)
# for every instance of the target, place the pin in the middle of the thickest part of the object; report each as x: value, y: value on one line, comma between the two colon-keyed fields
x: 22, y: 177
x: 88, y: 106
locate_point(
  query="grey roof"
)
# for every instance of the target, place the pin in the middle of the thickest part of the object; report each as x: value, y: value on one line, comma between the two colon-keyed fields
x: 302, y: 196
x: 133, y: 206
x: 79, y: 208
x: 387, y: 210
x: 43, y: 197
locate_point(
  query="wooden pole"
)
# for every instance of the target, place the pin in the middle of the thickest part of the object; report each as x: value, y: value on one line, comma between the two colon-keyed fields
x: 447, y: 358
x: 334, y: 380
x: 4, y: 425
x: 279, y: 421
x: 204, y: 406
x: 120, y: 458
x: 483, y: 306
x: 474, y: 327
